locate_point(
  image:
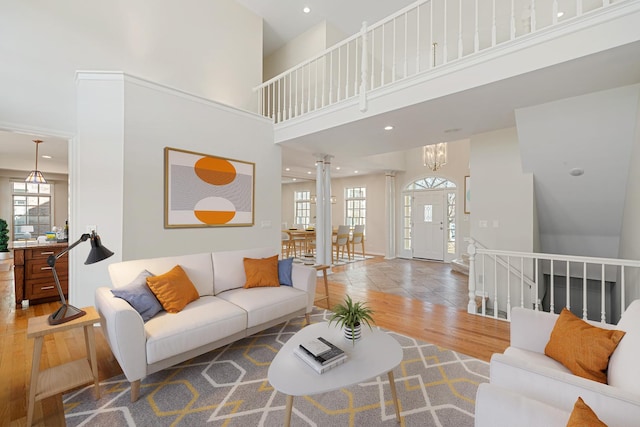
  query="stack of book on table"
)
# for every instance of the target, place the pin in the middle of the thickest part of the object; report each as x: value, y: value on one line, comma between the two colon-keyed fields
x: 320, y: 354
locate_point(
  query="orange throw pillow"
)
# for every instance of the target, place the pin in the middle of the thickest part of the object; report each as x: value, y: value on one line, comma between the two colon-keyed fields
x: 261, y: 272
x: 582, y: 415
x: 584, y: 349
x: 173, y: 289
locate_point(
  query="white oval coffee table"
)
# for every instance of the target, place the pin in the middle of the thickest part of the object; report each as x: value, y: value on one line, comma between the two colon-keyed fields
x: 376, y: 353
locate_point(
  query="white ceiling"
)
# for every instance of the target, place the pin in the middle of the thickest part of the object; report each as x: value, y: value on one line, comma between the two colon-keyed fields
x: 19, y: 153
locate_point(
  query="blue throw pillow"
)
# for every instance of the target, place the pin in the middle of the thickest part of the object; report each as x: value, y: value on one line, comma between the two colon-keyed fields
x: 139, y: 296
x: 284, y: 271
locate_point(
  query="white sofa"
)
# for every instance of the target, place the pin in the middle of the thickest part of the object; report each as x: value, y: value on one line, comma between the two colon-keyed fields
x: 224, y: 313
x: 528, y: 388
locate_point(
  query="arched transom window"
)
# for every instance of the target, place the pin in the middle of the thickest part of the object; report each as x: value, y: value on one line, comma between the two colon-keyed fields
x: 431, y: 183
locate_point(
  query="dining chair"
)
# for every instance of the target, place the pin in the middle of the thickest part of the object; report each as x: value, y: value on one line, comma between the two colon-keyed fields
x: 341, y: 242
x: 357, y: 239
x: 287, y: 244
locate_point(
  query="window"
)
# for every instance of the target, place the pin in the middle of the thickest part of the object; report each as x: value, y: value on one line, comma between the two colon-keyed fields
x: 302, y: 213
x: 432, y: 182
x: 451, y: 222
x: 32, y: 212
x: 355, y: 206
x: 406, y: 222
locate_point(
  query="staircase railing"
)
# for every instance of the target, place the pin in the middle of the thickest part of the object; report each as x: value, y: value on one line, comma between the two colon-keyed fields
x: 588, y: 286
x: 415, y: 40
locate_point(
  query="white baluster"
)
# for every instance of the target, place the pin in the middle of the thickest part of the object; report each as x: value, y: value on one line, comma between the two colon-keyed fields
x: 309, y: 95
x: 584, y: 290
x: 417, y: 39
x: 330, y: 78
x: 356, y: 84
x: 578, y: 7
x: 324, y: 80
x: 554, y: 12
x: 495, y: 287
x: 364, y: 71
x: 568, y: 286
x: 471, y: 250
x: 393, y: 68
x: 513, y: 20
x: 279, y: 114
x: 382, y: 45
x: 533, y: 15
x: 372, y: 72
x: 315, y: 102
x: 290, y: 95
x: 301, y: 95
x: 268, y: 102
x: 432, y: 57
x: 603, y: 315
x: 623, y: 296
x: 553, y: 291
x: 460, y: 29
x: 338, y: 97
x: 484, y: 281
x: 406, y: 46
x: 346, y: 74
x: 536, y: 282
x: 445, y: 54
x: 522, y: 282
x: 476, y: 38
x: 508, y: 288
x: 493, y: 24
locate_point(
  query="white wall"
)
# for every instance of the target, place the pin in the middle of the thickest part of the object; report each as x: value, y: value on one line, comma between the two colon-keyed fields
x: 209, y: 48
x: 502, y: 195
x: 306, y: 45
x: 126, y: 122
x: 630, y: 232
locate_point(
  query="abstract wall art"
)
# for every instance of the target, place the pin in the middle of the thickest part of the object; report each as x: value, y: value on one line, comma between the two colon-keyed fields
x: 207, y: 191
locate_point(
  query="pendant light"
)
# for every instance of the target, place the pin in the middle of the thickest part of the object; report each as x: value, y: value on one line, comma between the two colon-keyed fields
x: 35, y: 176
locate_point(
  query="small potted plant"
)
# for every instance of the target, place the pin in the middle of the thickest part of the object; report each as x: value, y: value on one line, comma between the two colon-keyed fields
x: 350, y: 316
x: 4, y: 239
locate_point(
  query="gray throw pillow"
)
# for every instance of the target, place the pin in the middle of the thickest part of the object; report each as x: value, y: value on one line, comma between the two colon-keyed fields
x: 139, y: 296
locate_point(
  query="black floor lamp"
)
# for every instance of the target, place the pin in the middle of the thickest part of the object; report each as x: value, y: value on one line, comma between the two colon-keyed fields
x: 98, y: 252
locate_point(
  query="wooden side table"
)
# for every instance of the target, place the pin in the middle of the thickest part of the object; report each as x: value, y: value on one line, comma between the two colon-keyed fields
x: 61, y: 378
x: 324, y: 269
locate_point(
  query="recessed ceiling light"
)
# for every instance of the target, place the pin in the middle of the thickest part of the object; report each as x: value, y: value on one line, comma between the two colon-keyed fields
x: 452, y: 130
x: 306, y: 9
x: 355, y: 171
x: 576, y: 172
x: 294, y: 179
x: 287, y: 169
x: 388, y: 127
x: 44, y: 156
x: 560, y: 14
x: 308, y: 172
x: 337, y: 168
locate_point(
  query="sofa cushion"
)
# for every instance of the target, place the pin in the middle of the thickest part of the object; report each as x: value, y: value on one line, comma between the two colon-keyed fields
x: 285, y: 270
x: 173, y: 289
x: 582, y: 415
x: 261, y: 272
x: 228, y: 270
x: 624, y: 369
x: 536, y: 359
x: 200, y: 323
x: 265, y: 304
x: 139, y: 296
x: 581, y: 347
x: 198, y: 267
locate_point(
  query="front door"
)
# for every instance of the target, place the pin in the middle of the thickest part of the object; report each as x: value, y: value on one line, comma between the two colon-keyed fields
x: 427, y: 230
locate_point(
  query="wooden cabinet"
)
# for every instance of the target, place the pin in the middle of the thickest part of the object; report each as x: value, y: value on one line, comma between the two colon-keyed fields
x: 33, y: 276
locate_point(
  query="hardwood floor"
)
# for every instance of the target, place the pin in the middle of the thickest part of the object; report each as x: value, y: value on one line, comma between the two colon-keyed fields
x: 424, y: 300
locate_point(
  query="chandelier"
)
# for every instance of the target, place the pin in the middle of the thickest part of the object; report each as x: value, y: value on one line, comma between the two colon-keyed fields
x: 35, y: 176
x: 434, y: 156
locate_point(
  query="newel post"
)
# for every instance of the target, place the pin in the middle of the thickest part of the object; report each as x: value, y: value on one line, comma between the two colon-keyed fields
x: 471, y: 250
x: 364, y: 69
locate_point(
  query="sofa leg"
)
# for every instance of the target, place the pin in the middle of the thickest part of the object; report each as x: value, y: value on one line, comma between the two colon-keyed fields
x: 135, y: 390
x: 307, y: 316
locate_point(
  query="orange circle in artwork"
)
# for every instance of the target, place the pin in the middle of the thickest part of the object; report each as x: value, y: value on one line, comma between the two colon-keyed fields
x: 215, y: 171
x: 214, y: 217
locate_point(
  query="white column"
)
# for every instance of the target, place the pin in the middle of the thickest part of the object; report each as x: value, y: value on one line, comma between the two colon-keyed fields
x: 471, y: 250
x: 390, y: 214
x: 327, y: 210
x: 320, y: 213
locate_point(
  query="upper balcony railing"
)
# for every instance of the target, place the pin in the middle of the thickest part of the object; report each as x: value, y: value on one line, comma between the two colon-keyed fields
x: 415, y: 40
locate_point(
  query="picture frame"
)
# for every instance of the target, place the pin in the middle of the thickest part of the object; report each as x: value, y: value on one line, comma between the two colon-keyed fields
x: 203, y: 190
x: 467, y: 194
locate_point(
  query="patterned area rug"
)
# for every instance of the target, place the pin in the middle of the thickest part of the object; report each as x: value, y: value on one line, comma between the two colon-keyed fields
x: 229, y: 387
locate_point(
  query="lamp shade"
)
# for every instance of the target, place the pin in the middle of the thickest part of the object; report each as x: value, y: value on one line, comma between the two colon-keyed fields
x: 98, y: 252
x: 35, y: 177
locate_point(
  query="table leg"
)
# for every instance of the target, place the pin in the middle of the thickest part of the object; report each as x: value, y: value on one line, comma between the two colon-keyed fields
x: 90, y: 342
x: 326, y: 287
x: 394, y: 395
x: 35, y: 370
x: 289, y: 408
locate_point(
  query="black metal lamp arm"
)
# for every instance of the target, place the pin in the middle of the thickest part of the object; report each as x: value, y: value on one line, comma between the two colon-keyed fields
x: 51, y: 261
